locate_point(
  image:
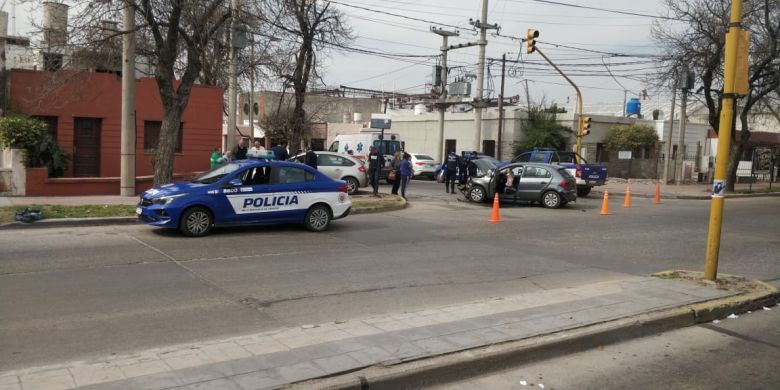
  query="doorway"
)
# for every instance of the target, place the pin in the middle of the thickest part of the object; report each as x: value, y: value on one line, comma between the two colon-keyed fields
x: 86, y: 147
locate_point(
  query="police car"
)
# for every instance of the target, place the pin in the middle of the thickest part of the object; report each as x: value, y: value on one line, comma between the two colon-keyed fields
x: 247, y: 192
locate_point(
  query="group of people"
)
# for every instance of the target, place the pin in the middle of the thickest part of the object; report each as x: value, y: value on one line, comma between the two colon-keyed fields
x: 400, y: 169
x: 242, y: 152
x: 457, y: 167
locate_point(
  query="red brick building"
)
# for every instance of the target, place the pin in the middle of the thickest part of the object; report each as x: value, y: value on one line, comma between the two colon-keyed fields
x: 83, y: 110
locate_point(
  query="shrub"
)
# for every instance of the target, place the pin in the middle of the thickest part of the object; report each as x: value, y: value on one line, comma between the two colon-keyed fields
x: 630, y: 137
x: 20, y: 131
x: 542, y: 130
x: 30, y: 134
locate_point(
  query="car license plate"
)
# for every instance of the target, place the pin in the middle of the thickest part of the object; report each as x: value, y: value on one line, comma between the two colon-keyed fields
x: 595, y: 176
x: 138, y: 210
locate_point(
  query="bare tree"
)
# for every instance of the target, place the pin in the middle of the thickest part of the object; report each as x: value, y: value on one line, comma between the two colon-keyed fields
x: 699, y: 44
x: 311, y: 28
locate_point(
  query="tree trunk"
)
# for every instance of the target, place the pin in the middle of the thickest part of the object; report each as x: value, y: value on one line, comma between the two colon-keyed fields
x: 166, y: 146
x: 737, y: 148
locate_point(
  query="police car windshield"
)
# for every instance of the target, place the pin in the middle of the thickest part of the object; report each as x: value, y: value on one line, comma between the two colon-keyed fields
x: 215, y: 174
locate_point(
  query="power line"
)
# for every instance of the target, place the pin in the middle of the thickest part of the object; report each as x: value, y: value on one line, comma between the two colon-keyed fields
x: 614, y: 11
x: 396, y: 15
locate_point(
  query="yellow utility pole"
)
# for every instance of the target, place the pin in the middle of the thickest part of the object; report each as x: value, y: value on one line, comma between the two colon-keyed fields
x: 724, y: 142
x: 579, y: 102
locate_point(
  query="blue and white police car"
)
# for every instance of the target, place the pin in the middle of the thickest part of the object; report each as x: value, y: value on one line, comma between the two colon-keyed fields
x: 247, y: 192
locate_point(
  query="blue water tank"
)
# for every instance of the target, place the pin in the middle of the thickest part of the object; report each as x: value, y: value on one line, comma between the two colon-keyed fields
x: 634, y: 107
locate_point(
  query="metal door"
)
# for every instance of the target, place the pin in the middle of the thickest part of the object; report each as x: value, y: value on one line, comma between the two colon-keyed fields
x: 86, y: 147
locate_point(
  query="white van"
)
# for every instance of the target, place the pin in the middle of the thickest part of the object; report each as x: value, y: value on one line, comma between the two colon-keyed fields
x: 359, y: 143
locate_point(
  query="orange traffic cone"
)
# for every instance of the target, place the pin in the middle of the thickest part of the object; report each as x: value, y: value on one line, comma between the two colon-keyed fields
x: 627, y: 199
x: 495, y: 217
x: 657, y: 199
x: 605, y: 204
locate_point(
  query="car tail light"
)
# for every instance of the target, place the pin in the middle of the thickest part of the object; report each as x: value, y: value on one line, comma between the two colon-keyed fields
x: 578, y: 172
x: 419, y: 163
x: 565, y: 184
x: 343, y: 188
x: 362, y: 168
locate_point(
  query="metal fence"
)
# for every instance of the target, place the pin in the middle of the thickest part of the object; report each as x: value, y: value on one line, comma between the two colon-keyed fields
x: 763, y: 167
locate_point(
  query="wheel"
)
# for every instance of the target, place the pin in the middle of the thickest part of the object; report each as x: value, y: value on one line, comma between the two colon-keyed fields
x: 551, y: 200
x: 196, y: 222
x: 583, y: 191
x: 317, y: 218
x: 477, y: 194
x: 352, y: 185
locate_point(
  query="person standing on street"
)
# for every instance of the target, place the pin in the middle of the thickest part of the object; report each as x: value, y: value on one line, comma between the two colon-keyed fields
x: 239, y: 152
x: 311, y: 158
x: 406, y: 173
x: 374, y: 164
x: 280, y: 151
x: 450, y: 167
x: 395, y: 166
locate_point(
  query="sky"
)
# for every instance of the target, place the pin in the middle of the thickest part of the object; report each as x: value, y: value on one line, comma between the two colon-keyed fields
x: 390, y: 26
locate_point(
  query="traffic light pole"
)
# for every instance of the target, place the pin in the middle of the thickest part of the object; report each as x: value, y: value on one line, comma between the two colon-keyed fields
x: 579, y: 101
x: 724, y: 143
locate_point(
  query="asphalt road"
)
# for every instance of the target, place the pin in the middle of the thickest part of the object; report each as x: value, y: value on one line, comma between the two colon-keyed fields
x: 74, y: 293
x: 742, y: 353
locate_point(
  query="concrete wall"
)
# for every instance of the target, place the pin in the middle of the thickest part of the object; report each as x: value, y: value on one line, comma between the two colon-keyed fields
x: 12, y: 172
x: 320, y: 108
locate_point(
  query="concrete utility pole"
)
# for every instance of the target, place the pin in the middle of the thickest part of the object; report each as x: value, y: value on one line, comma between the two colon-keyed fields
x: 678, y: 170
x: 127, y: 147
x: 724, y: 142
x: 478, y: 102
x: 625, y: 100
x: 252, y: 89
x: 440, y: 152
x: 668, y: 156
x: 501, y: 108
x: 527, y: 96
x: 233, y: 82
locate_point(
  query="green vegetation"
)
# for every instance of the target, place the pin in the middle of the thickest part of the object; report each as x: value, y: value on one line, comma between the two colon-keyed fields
x: 542, y: 130
x: 630, y: 137
x: 7, y: 214
x: 766, y: 190
x: 30, y: 134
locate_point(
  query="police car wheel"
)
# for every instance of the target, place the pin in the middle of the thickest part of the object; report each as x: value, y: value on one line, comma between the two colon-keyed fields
x: 477, y: 194
x: 317, y: 218
x: 196, y: 222
x: 551, y: 200
x: 352, y: 185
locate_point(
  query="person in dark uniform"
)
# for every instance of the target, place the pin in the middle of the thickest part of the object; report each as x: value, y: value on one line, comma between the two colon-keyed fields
x: 239, y: 152
x: 311, y: 158
x: 374, y: 164
x: 450, y: 167
x: 462, y: 164
x: 280, y: 151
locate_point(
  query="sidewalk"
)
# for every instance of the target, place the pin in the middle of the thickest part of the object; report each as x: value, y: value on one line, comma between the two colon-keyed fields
x: 645, y: 188
x: 294, y: 355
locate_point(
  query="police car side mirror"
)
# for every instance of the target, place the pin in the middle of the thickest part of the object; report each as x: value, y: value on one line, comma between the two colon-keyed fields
x: 233, y: 183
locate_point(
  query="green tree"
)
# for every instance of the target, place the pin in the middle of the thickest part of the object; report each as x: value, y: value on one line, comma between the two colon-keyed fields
x: 542, y: 130
x: 630, y: 137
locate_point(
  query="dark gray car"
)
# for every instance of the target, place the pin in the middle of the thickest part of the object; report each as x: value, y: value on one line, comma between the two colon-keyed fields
x: 550, y: 185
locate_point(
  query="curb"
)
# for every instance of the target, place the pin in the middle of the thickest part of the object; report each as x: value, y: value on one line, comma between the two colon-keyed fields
x: 470, y: 363
x: 68, y: 222
x: 691, y: 197
x: 104, y: 221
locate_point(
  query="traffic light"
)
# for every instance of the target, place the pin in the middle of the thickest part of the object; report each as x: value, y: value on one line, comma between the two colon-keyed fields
x: 585, y: 126
x: 530, y: 40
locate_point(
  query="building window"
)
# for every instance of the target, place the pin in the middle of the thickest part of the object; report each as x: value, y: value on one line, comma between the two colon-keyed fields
x: 51, y: 124
x: 152, y: 136
x: 52, y: 62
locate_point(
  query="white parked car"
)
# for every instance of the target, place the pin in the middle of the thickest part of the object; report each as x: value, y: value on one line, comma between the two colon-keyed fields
x: 340, y: 167
x: 423, y: 165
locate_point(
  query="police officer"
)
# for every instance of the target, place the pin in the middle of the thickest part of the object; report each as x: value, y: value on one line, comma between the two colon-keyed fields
x: 374, y: 167
x: 450, y: 167
x: 462, y: 164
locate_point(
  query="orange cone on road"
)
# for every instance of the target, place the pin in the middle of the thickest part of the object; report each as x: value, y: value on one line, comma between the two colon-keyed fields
x: 627, y: 199
x: 605, y: 204
x: 657, y: 199
x: 495, y: 217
